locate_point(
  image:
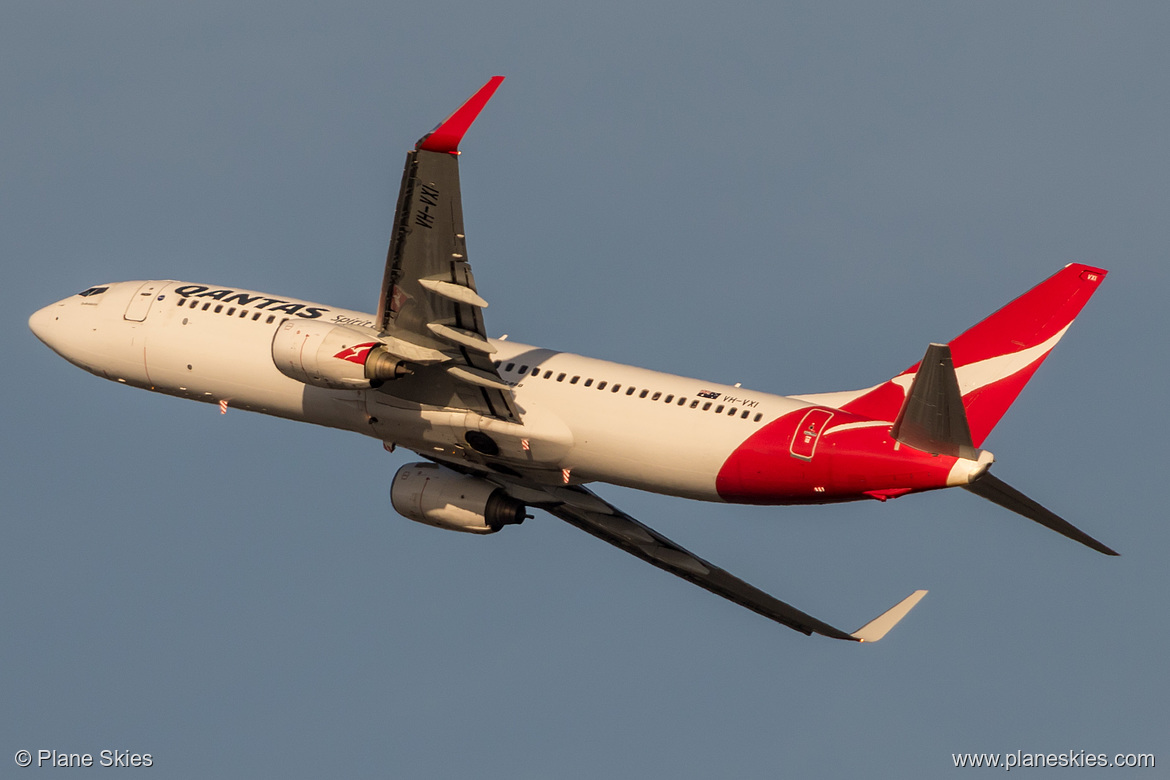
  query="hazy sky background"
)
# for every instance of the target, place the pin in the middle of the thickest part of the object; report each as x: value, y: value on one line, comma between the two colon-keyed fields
x: 796, y: 197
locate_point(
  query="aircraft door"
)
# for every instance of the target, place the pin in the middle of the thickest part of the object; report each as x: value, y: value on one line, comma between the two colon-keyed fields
x: 808, y: 433
x: 139, y: 305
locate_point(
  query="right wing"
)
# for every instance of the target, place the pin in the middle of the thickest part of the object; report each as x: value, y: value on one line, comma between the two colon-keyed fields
x: 429, y: 312
x: 584, y: 509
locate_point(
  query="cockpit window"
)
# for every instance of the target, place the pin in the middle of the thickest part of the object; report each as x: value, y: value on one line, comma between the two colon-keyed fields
x: 92, y: 291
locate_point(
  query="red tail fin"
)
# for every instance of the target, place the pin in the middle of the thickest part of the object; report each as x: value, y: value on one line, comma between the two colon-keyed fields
x: 997, y: 357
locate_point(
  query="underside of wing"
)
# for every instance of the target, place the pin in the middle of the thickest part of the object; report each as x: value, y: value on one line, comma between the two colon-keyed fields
x: 643, y: 542
x: 584, y: 509
x: 429, y: 312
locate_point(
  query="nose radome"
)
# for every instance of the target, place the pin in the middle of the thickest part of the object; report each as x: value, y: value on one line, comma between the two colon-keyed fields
x: 41, y: 323
x: 52, y: 326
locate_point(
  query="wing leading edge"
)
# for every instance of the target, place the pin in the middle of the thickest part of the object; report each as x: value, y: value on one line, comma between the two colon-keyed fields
x: 582, y: 508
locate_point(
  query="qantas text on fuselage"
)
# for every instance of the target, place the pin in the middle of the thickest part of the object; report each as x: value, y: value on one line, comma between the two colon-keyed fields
x: 504, y: 427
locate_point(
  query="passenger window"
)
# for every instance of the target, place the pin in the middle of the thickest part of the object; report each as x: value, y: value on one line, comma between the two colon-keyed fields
x: 573, y: 381
x: 601, y: 385
x: 560, y: 377
x: 588, y: 382
x: 218, y: 309
x: 271, y: 317
x: 547, y: 374
x: 695, y: 403
x: 536, y: 371
x: 745, y: 414
x: 630, y: 391
x: 758, y: 417
x: 718, y: 409
x: 509, y: 367
x: 243, y: 314
x: 523, y: 369
x: 232, y: 311
x: 644, y: 393
x: 206, y: 306
x: 682, y: 402
x: 256, y: 316
x: 669, y: 398
x: 706, y: 406
x: 656, y: 396
x: 181, y: 301
x: 616, y: 387
x: 732, y: 411
x: 194, y: 304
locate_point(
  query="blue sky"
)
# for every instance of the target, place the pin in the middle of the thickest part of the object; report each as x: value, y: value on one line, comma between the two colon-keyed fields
x: 798, y: 197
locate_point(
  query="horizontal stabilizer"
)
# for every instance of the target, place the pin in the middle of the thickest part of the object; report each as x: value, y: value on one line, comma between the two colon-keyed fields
x: 881, y: 625
x: 932, y: 419
x: 999, y: 492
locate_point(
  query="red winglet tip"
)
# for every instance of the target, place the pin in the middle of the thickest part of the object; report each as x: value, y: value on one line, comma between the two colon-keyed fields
x: 446, y: 137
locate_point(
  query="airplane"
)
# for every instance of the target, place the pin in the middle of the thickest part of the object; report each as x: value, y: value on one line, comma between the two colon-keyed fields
x: 504, y: 427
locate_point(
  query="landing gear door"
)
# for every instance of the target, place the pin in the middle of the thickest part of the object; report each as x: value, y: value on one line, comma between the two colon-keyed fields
x: 808, y: 433
x: 139, y: 305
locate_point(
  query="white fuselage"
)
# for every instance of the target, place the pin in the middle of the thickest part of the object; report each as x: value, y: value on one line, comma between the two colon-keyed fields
x: 598, y: 420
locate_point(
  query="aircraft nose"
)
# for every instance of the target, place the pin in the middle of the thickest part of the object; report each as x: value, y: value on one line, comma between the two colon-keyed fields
x: 46, y: 325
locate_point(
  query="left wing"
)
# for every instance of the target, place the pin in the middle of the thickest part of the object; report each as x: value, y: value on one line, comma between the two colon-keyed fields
x: 586, y: 510
x: 429, y: 312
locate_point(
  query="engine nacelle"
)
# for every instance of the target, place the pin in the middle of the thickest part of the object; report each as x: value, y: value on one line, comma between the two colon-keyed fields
x: 429, y: 493
x: 333, y: 356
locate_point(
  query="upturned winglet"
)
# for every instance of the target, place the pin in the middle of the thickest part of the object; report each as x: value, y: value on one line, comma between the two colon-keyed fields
x: 447, y: 135
x: 881, y: 625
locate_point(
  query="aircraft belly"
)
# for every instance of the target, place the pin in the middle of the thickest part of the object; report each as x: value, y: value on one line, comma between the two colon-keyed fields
x: 537, y: 448
x: 411, y: 425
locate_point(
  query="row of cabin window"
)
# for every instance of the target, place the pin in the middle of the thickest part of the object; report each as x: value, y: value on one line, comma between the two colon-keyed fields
x: 682, y: 401
x: 231, y: 312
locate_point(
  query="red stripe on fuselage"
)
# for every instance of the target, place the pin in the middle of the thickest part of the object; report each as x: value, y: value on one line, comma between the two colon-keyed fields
x: 846, y: 465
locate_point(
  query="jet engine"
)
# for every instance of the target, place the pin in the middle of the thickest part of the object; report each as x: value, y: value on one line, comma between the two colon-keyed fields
x: 431, y: 494
x: 333, y: 356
